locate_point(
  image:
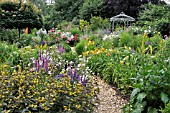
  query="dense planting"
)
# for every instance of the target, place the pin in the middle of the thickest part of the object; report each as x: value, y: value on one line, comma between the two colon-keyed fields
x: 55, y: 69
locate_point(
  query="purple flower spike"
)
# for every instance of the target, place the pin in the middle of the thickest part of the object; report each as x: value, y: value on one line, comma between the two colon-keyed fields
x: 69, y: 72
x: 75, y: 72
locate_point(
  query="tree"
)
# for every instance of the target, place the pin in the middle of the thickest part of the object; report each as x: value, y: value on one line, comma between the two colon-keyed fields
x: 20, y: 16
x: 65, y: 10
x: 91, y: 8
x: 156, y: 16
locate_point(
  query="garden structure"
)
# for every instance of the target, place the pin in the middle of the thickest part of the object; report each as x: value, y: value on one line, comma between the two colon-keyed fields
x: 122, y: 17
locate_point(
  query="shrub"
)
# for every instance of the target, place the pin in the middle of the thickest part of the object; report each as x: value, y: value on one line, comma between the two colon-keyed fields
x: 75, y: 31
x: 126, y: 39
x: 80, y: 47
x: 99, y: 23
x: 156, y: 16
x: 9, y: 35
x: 91, y: 8
x: 25, y: 40
x: 70, y: 56
x: 65, y: 26
x: 6, y: 50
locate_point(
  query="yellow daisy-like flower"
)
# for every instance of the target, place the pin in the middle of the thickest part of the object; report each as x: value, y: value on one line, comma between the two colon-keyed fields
x: 78, y: 106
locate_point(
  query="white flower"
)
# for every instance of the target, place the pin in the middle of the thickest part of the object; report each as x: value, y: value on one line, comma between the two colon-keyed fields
x: 83, y: 65
x: 80, y: 56
x: 78, y: 65
x: 105, y: 37
x: 71, y: 62
x: 49, y: 72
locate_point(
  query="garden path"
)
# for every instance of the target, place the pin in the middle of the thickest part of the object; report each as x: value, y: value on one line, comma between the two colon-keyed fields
x: 111, y: 101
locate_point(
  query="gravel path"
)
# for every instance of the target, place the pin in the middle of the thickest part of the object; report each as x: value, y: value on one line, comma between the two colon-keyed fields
x: 111, y: 101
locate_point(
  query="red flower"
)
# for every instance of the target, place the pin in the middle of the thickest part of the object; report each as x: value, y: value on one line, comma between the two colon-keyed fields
x: 75, y: 38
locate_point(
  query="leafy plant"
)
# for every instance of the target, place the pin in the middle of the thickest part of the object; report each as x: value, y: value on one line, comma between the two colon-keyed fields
x: 70, y: 56
x: 6, y: 50
x: 166, y: 109
x: 9, y: 35
x: 80, y: 47
x: 155, y: 16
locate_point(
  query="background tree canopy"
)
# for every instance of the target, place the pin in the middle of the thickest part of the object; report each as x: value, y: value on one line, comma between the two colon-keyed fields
x: 20, y: 16
x: 70, y: 10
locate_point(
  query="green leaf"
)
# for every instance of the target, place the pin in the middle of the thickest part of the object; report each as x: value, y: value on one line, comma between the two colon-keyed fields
x: 134, y: 92
x: 152, y: 110
x: 141, y: 96
x: 164, y: 97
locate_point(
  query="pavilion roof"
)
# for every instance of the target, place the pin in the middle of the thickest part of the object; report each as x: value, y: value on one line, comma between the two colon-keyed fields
x: 122, y: 17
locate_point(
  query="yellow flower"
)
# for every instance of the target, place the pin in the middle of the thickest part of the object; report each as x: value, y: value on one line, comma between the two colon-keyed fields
x: 121, y: 62
x: 77, y: 106
x: 65, y: 108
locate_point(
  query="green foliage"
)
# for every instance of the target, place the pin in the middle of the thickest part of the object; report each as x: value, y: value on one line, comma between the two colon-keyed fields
x: 70, y: 56
x: 75, y: 31
x: 65, y: 25
x: 80, y: 47
x: 9, y: 35
x: 115, y: 41
x: 126, y: 39
x: 166, y: 109
x: 97, y: 63
x: 29, y: 91
x: 25, y: 40
x: 22, y: 16
x: 91, y: 8
x: 66, y: 10
x: 156, y: 16
x: 152, y: 81
x: 99, y: 23
x: 67, y: 48
x: 120, y: 69
x: 6, y: 50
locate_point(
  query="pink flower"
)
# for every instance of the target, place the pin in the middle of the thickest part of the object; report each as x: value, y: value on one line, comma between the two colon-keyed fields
x: 52, y: 30
x: 62, y: 36
x: 69, y: 39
